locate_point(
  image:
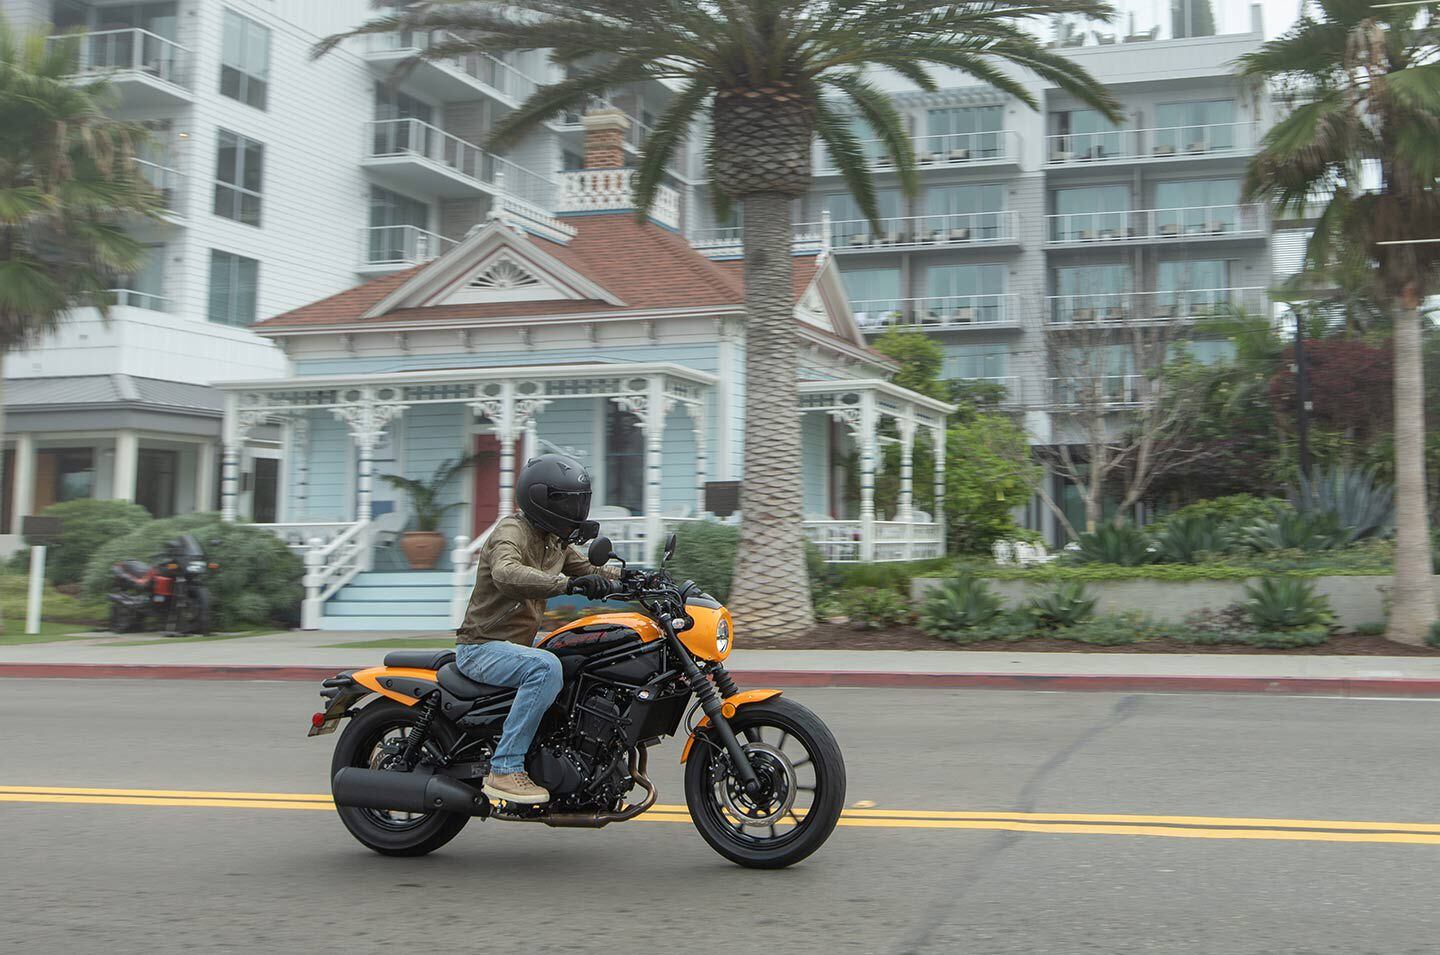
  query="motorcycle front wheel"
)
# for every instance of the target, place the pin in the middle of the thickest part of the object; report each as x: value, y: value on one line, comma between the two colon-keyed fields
x: 802, y: 775
x: 193, y: 614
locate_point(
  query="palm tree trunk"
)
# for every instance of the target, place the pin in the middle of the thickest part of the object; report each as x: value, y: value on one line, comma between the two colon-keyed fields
x: 9, y: 503
x: 1412, y: 610
x: 771, y: 586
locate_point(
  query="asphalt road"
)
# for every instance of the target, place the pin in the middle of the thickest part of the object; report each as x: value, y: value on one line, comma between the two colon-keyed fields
x: 1258, y: 866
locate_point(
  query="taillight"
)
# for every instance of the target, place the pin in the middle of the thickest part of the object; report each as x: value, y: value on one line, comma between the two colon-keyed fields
x: 318, y: 719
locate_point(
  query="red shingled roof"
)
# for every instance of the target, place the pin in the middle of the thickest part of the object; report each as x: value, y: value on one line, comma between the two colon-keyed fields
x: 643, y: 265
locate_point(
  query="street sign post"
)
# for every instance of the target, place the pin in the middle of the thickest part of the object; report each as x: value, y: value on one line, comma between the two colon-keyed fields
x: 37, y: 529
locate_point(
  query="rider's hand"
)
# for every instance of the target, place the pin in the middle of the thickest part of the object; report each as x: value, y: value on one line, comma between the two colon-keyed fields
x: 591, y: 586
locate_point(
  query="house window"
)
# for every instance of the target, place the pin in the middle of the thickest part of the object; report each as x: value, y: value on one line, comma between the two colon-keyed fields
x: 1197, y: 127
x: 874, y: 294
x: 624, y: 460
x: 156, y: 478
x: 66, y: 474
x: 1084, y: 134
x: 234, y: 284
x: 393, y: 134
x: 239, y: 166
x: 265, y: 499
x: 1090, y: 214
x: 971, y: 132
x: 245, y: 60
x: 396, y: 222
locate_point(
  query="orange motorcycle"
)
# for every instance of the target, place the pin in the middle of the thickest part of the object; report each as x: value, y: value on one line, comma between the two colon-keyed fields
x: 764, y: 777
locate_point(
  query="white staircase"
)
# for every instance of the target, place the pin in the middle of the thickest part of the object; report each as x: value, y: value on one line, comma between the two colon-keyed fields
x: 392, y: 600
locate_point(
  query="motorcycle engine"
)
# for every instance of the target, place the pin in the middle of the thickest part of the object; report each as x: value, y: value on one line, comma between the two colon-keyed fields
x: 585, y: 764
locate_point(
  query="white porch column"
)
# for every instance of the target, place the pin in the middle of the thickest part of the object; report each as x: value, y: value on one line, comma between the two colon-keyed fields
x: 906, y: 426
x: 230, y: 459
x: 364, y: 479
x: 654, y: 424
x: 300, y: 451
x: 938, y: 440
x: 127, y: 465
x: 702, y: 467
x: 22, y: 500
x: 366, y: 416
x: 505, y: 431
x: 204, y: 475
x: 869, y: 424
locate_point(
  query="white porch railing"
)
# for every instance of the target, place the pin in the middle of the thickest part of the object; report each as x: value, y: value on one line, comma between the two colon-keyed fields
x: 400, y: 245
x: 938, y: 311
x: 129, y: 298
x: 334, y: 552
x: 130, y: 50
x: 1197, y: 222
x: 300, y: 536
x: 842, y: 541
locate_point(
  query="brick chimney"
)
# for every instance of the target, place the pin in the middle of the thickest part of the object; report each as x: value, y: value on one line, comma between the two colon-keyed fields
x: 605, y: 138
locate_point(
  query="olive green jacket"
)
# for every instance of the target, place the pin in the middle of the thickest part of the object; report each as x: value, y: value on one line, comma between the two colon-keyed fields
x: 515, y: 571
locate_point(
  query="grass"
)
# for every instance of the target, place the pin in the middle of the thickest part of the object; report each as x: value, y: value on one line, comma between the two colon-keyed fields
x: 76, y: 613
x: 14, y: 635
x: 395, y: 643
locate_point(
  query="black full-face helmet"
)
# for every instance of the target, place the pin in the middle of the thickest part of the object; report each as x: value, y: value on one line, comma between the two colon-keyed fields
x: 554, y: 493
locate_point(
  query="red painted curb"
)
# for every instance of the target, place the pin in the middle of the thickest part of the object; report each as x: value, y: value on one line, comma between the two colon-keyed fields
x: 878, y: 679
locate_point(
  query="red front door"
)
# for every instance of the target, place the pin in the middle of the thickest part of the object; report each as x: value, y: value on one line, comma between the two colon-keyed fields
x: 487, y: 481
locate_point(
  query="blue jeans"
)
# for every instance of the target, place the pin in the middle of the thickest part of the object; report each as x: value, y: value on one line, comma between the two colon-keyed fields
x: 536, y: 677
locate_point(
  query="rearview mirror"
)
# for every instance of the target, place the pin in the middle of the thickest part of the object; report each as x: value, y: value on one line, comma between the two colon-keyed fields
x: 601, y: 552
x: 670, y: 547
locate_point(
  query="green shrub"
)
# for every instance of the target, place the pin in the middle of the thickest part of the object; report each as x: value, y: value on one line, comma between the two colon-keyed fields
x: 1291, y: 530
x: 964, y: 603
x: 1361, y: 505
x: 1373, y: 628
x: 1122, y: 545
x: 1065, y: 606
x: 1103, y: 632
x: 894, y: 574
x: 1289, y: 639
x: 1433, y: 637
x: 1286, y: 603
x: 1190, y: 539
x: 85, y: 525
x: 873, y: 608
x: 258, y: 583
x: 1235, y: 510
x: 705, y: 553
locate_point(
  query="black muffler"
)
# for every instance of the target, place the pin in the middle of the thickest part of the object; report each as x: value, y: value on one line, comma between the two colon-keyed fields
x: 405, y: 792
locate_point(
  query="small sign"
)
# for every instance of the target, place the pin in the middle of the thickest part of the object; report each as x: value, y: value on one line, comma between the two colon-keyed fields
x: 722, y: 498
x: 40, y: 530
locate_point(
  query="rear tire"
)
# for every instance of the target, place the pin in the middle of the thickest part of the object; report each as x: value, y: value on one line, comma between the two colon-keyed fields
x: 422, y: 833
x: 776, y: 724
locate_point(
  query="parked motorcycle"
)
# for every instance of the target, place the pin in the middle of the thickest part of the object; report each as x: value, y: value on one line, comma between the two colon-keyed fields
x: 764, y: 777
x: 170, y: 588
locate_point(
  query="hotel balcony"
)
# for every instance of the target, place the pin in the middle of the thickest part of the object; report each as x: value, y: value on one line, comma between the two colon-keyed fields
x: 414, y: 156
x: 1156, y: 226
x: 1179, y: 143
x: 1131, y: 307
x: 938, y: 313
x: 453, y: 78
x: 169, y: 184
x: 1098, y: 391
x: 147, y: 70
x: 998, y: 148
x: 898, y: 234
x: 389, y: 248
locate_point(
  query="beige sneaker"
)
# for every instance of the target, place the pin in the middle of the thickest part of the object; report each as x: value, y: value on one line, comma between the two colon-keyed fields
x: 517, y: 788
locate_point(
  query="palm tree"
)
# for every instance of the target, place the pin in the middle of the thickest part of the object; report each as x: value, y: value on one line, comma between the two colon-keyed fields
x: 770, y: 76
x: 1366, y: 138
x: 68, y: 182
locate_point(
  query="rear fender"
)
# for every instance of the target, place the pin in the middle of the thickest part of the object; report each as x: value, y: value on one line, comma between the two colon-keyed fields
x: 728, y: 709
x: 401, y: 684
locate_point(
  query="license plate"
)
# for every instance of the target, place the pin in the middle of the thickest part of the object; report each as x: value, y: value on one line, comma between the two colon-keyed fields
x: 329, y: 726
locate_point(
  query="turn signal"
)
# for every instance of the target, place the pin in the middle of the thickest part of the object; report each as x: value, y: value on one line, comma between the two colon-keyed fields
x: 214, y: 566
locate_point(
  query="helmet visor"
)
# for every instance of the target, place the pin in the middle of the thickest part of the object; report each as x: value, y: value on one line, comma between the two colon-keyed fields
x: 574, y: 506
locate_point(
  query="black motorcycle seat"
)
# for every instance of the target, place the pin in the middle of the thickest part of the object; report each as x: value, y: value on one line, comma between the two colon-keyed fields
x: 459, y: 685
x: 419, y: 659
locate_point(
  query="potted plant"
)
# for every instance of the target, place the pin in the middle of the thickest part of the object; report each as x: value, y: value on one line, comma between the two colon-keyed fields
x: 423, y: 546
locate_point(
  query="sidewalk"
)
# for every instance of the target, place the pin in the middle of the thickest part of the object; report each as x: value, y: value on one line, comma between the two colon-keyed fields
x: 313, y: 656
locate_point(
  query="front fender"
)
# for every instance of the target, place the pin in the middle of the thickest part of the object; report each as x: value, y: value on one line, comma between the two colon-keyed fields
x: 728, y: 709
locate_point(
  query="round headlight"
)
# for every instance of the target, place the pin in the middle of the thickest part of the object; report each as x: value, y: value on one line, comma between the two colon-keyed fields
x: 722, y: 637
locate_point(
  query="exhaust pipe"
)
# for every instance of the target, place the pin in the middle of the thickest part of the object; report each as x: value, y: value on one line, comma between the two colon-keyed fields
x: 404, y: 792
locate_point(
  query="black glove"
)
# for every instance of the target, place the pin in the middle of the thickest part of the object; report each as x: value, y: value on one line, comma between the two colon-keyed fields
x: 591, y: 586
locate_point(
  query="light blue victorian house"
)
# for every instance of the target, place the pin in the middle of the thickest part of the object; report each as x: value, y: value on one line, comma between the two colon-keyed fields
x: 586, y: 331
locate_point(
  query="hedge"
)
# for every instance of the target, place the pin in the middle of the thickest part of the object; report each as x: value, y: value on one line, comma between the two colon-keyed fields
x: 85, y: 526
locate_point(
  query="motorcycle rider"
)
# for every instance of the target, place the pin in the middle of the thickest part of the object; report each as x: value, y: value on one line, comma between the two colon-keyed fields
x: 528, y: 558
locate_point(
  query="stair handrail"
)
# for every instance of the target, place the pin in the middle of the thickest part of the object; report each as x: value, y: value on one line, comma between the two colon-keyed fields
x: 329, y: 567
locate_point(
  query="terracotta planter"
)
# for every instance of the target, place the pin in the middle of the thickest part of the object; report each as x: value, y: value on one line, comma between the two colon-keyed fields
x: 422, y: 548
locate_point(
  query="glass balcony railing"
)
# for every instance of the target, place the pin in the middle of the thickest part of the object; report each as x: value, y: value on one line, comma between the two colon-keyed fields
x: 1190, y: 222
x: 1103, y: 307
x: 414, y: 139
x: 400, y: 245
x: 937, y: 311
x: 127, y: 51
x: 1158, y: 143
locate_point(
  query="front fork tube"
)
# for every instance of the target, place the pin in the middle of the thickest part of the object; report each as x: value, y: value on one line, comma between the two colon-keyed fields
x: 713, y: 706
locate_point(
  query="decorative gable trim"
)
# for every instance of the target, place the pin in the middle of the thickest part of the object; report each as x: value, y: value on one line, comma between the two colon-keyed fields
x: 448, y: 280
x: 824, y: 304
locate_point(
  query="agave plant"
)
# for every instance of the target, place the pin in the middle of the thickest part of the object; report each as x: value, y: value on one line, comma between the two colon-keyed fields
x: 958, y: 605
x: 1362, y: 505
x: 1187, y: 538
x: 1286, y: 603
x: 1065, y: 606
x: 1291, y: 530
x: 1115, y: 544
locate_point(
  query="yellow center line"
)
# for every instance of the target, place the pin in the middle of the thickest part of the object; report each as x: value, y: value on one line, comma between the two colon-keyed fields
x: 1175, y: 827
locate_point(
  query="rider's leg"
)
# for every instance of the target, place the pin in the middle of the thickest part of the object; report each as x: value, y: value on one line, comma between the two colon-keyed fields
x: 537, y: 679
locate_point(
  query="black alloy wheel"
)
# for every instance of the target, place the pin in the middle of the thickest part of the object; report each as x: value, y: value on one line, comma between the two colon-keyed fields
x: 802, y: 776
x: 375, y: 739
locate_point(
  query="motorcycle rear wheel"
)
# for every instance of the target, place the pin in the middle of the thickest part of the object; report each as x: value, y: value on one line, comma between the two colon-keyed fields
x: 797, y: 756
x: 390, y: 834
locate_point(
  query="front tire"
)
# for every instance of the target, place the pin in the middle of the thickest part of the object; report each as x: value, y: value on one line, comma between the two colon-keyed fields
x: 194, y: 613
x: 362, y: 745
x: 797, y: 756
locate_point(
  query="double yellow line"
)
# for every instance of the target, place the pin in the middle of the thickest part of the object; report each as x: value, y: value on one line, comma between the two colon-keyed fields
x: 1068, y: 823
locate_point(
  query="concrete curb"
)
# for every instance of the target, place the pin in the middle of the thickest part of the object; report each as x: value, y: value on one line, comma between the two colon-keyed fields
x: 878, y: 679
